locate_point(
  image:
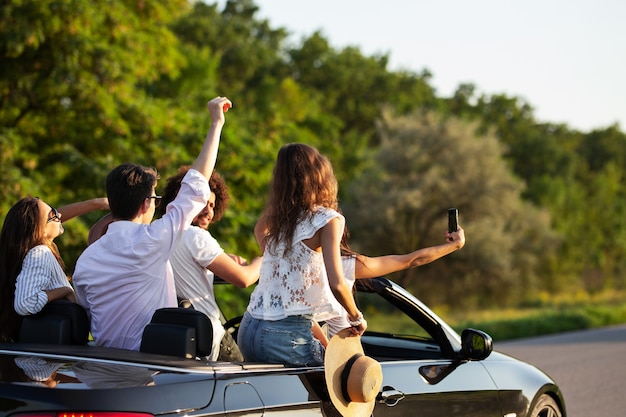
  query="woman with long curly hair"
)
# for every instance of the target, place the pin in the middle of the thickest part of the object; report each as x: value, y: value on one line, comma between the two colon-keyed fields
x: 198, y: 258
x: 301, y: 278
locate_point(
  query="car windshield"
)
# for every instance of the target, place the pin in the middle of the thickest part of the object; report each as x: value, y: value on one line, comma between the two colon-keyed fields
x: 383, y: 317
x: 399, y: 326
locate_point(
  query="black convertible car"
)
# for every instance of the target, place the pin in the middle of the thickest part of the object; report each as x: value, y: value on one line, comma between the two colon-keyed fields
x: 427, y: 371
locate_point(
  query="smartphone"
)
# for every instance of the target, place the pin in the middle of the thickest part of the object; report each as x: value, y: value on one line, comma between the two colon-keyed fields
x: 453, y: 220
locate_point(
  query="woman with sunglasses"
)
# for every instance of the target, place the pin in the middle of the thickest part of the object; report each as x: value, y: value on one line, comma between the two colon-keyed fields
x: 32, y: 272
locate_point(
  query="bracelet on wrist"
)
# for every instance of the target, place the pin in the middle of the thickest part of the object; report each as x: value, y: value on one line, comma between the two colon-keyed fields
x: 357, y: 322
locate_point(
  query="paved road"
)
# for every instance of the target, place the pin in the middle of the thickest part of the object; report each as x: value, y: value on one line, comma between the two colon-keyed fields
x: 589, y: 366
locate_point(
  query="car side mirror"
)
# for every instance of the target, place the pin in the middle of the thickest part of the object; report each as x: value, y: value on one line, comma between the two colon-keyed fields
x: 476, y: 345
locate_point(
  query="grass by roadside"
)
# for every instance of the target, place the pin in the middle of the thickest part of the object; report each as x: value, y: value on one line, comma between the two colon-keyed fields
x: 545, y: 317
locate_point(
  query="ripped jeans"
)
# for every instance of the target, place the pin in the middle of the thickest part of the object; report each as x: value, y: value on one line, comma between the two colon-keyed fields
x: 288, y: 341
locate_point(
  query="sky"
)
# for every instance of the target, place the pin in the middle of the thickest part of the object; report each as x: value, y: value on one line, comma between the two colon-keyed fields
x: 566, y: 58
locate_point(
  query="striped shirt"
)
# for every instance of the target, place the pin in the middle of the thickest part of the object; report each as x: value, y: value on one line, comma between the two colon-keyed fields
x: 40, y: 272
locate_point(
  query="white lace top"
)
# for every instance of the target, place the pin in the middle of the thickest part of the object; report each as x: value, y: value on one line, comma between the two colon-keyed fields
x: 296, y: 284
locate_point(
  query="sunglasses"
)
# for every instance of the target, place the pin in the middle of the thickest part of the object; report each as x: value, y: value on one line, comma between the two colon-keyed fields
x: 53, y: 216
x: 157, y: 199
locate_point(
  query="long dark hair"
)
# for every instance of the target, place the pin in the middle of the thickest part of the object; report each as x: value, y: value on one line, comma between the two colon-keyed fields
x: 22, y: 230
x: 302, y: 179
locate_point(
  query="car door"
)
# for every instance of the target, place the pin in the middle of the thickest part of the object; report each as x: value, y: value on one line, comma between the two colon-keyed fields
x: 268, y: 390
x: 434, y: 388
x: 422, y: 375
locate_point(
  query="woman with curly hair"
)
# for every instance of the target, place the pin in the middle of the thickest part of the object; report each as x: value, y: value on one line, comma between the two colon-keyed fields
x: 198, y: 258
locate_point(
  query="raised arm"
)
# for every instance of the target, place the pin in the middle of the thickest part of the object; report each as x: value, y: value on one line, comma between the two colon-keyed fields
x: 79, y: 208
x: 205, y: 162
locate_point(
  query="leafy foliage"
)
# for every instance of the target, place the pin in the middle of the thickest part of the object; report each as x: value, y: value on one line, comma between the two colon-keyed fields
x: 426, y: 164
x: 87, y: 84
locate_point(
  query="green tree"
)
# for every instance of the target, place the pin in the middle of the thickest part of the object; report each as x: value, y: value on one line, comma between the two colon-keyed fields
x: 85, y: 85
x: 234, y: 54
x: 573, y: 175
x: 354, y: 89
x: 425, y: 165
x: 72, y: 103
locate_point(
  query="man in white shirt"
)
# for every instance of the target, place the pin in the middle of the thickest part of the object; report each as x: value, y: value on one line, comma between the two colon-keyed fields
x: 124, y: 276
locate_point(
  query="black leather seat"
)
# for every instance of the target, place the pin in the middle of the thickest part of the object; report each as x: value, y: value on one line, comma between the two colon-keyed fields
x: 60, y: 322
x: 181, y: 332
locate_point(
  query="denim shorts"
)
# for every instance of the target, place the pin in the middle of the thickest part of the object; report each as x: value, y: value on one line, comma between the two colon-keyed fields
x: 288, y: 341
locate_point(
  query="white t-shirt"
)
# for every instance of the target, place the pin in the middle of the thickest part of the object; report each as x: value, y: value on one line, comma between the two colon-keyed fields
x: 125, y: 276
x: 195, y: 251
x: 296, y: 284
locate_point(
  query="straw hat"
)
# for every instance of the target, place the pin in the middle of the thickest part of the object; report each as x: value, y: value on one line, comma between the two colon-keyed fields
x: 99, y: 228
x: 353, y: 379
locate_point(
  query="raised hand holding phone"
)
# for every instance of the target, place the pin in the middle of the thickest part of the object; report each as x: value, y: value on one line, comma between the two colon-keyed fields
x: 453, y: 220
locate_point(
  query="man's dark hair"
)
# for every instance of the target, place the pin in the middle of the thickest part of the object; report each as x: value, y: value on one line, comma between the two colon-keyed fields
x: 128, y: 185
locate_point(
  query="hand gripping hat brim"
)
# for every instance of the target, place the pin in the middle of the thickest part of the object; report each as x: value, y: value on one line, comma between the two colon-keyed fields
x: 353, y: 379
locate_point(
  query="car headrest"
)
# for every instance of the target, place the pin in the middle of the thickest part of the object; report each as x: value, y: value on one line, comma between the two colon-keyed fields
x: 59, y: 322
x: 175, y: 323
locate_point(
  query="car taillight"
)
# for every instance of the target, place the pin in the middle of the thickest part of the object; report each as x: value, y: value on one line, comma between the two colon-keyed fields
x: 82, y: 414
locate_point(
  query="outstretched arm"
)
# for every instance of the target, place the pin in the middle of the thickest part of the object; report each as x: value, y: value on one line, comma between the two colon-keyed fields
x: 371, y: 267
x: 70, y: 211
x: 242, y: 276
